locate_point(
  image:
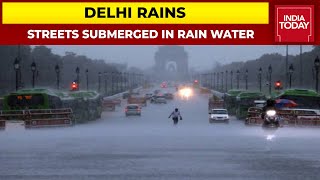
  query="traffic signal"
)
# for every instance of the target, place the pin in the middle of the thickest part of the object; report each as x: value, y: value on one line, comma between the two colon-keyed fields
x: 195, y: 81
x: 74, y: 86
x: 278, y: 85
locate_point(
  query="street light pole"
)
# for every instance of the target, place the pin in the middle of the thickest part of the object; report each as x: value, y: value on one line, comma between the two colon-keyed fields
x: 218, y: 79
x: 124, y: 79
x: 226, y: 80
x: 57, y: 69
x: 16, y: 66
x: 127, y: 81
x: 87, y: 77
x: 246, y: 77
x: 99, y: 82
x: 214, y: 80
x: 231, y: 79
x: 211, y: 80
x: 270, y: 73
x: 112, y: 83
x: 316, y: 67
x: 130, y: 81
x: 105, y: 82
x: 291, y: 69
x: 222, y: 81
x: 33, y: 69
x: 117, y: 82
x: 78, y: 79
x: 238, y: 78
x: 260, y: 79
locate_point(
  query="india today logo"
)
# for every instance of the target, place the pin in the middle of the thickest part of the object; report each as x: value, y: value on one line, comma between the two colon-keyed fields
x: 294, y: 23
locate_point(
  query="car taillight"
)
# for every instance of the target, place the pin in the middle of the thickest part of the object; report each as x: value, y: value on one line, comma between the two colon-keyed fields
x: 126, y: 110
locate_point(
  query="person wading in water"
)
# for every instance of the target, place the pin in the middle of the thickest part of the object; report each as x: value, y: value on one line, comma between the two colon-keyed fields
x: 175, y: 116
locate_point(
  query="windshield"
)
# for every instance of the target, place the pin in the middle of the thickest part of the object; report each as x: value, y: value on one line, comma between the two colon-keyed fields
x: 219, y: 112
x: 132, y: 107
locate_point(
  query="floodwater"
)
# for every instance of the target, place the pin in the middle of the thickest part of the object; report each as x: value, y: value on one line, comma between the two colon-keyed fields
x: 150, y: 147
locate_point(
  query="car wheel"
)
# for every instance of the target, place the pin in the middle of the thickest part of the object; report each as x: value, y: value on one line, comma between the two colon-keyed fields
x: 210, y: 121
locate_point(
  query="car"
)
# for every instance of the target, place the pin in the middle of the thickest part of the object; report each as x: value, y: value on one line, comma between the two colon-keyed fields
x: 133, y: 110
x: 125, y: 95
x: 159, y: 100
x: 168, y: 96
x: 219, y: 115
x: 148, y: 96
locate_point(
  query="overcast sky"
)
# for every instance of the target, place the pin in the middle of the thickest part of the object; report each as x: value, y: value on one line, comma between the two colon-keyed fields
x: 200, y: 57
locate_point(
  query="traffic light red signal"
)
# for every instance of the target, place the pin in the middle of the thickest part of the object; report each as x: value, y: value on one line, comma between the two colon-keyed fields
x: 74, y: 86
x: 278, y: 85
x: 195, y: 81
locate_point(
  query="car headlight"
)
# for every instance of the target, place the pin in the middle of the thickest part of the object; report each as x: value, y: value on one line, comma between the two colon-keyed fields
x: 271, y: 113
x: 212, y: 116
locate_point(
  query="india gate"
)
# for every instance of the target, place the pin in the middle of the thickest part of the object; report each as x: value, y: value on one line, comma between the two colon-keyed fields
x: 171, y: 63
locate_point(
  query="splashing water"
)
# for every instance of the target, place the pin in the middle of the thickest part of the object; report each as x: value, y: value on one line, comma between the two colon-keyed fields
x: 270, y: 137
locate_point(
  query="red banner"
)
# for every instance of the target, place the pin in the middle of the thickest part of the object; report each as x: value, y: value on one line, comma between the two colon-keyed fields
x: 290, y: 22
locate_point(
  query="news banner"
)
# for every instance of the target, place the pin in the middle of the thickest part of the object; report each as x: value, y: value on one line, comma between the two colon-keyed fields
x: 268, y: 22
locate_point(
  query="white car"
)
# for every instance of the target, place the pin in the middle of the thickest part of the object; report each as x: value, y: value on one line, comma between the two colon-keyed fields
x: 219, y: 115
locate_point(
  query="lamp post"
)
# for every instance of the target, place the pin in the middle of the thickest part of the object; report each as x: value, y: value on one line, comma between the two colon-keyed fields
x: 131, y: 80
x: 226, y: 80
x: 99, y: 81
x: 291, y: 69
x: 231, y: 79
x: 77, y: 72
x: 246, y: 77
x: 214, y: 80
x: 222, y: 81
x: 57, y: 69
x: 260, y: 78
x: 238, y: 78
x: 127, y: 81
x: 211, y: 80
x: 16, y: 66
x: 140, y: 79
x: 112, y: 83
x: 33, y: 69
x: 105, y: 82
x: 270, y: 73
x: 316, y: 67
x: 122, y: 81
x: 87, y: 77
x: 218, y: 79
x: 117, y: 82
x: 124, y: 78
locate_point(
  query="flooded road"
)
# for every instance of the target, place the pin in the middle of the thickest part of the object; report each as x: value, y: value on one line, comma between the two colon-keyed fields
x: 150, y: 147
